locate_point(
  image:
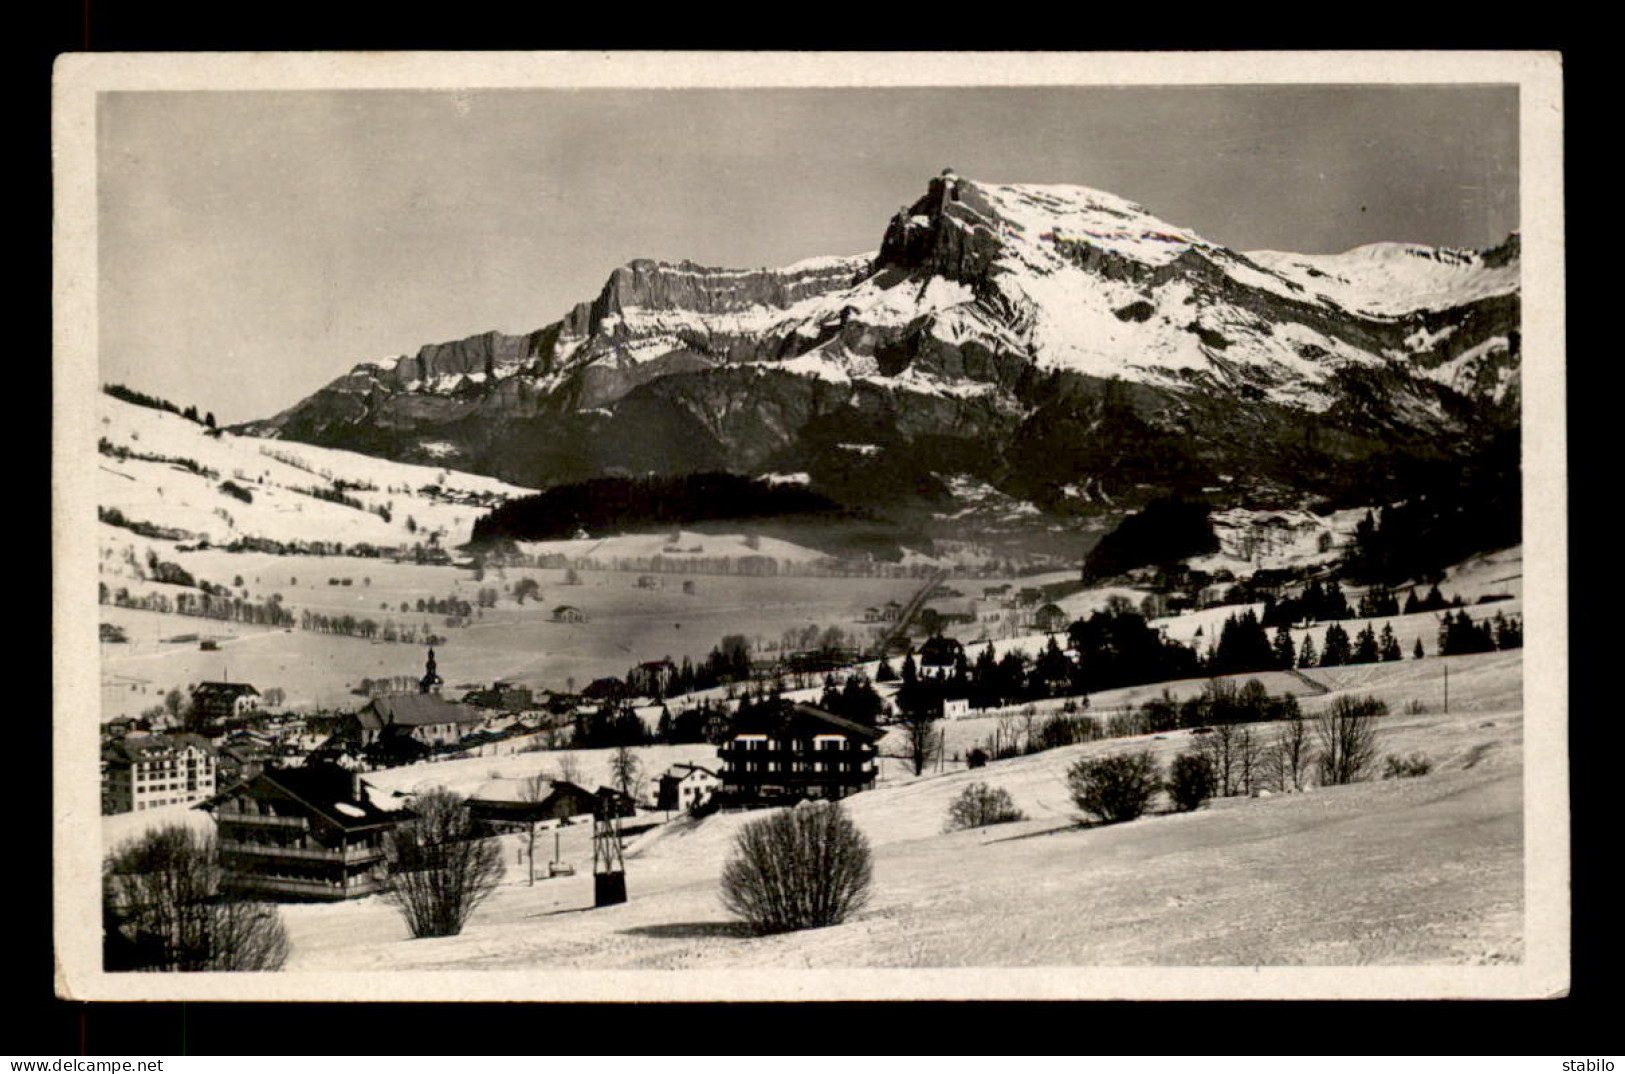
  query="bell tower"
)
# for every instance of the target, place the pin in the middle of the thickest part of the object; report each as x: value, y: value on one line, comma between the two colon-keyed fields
x: 431, y: 681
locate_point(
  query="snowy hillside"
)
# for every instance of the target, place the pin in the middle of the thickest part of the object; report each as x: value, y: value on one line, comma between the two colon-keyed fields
x: 1390, y: 278
x: 160, y: 469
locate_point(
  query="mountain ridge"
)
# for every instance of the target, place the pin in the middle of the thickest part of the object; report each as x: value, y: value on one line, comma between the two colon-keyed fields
x: 983, y: 305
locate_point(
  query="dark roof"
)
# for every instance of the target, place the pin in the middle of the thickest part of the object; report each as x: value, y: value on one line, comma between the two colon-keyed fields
x: 512, y: 792
x: 683, y: 771
x: 940, y: 651
x: 323, y: 788
x: 779, y: 717
x: 224, y: 689
x: 416, y: 710
x: 143, y: 747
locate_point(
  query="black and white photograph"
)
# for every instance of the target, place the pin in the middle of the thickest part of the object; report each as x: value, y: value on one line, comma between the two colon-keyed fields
x: 679, y: 526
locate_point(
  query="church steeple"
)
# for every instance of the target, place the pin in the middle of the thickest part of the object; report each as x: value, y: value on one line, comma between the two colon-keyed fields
x: 431, y: 681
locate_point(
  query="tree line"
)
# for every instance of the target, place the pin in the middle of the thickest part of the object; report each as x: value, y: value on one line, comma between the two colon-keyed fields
x: 613, y: 504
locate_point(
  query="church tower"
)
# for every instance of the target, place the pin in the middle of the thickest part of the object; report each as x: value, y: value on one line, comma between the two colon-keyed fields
x: 431, y: 681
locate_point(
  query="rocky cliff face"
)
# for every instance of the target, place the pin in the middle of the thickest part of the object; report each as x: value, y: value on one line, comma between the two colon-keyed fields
x: 1040, y: 338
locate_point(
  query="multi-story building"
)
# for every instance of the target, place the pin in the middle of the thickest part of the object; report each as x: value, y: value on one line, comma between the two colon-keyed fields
x: 141, y: 772
x: 780, y: 751
x: 218, y: 702
x: 685, y: 786
x: 309, y: 833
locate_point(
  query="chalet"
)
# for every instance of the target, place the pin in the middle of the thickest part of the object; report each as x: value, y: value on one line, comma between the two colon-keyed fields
x: 653, y: 677
x: 891, y: 611
x: 685, y: 786
x: 780, y: 751
x: 616, y: 803
x: 956, y: 708
x: 216, y: 702
x: 940, y: 657
x: 505, y: 805
x: 993, y: 592
x: 242, y: 758
x: 568, y: 613
x: 141, y: 772
x: 302, y: 833
x: 605, y: 689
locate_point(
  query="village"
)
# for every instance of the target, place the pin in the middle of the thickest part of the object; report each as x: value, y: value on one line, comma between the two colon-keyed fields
x: 301, y: 806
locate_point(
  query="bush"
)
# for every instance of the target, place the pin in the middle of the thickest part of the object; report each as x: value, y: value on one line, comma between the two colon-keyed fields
x: 801, y: 868
x: 163, y: 910
x: 440, y: 868
x: 1114, y: 788
x: 1397, y: 767
x: 1191, y: 781
x: 980, y: 805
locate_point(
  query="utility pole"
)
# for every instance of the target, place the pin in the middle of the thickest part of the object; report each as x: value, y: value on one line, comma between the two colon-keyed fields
x: 1447, y: 687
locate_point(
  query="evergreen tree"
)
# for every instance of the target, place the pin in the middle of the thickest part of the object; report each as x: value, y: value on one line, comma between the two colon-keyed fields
x: 1418, y: 652
x: 1307, y: 657
x: 1365, y: 646
x: 1388, y: 644
x: 911, y: 673
x: 1336, y: 651
x: 1286, y: 654
x: 885, y: 673
x: 1508, y: 632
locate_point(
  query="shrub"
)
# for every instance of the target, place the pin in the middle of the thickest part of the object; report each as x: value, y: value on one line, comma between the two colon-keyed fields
x: 440, y: 868
x: 1114, y: 788
x: 801, y: 868
x: 979, y: 805
x: 1191, y: 781
x: 1397, y: 767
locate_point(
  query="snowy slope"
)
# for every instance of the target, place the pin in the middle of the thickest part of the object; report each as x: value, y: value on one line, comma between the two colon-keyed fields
x: 1389, y: 278
x: 169, y: 495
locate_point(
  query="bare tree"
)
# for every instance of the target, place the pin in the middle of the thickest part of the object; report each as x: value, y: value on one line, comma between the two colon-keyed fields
x: 1290, y: 753
x: 1223, y: 749
x: 1347, y: 734
x: 441, y: 868
x: 534, y: 789
x: 624, y: 772
x: 570, y: 769
x: 163, y: 910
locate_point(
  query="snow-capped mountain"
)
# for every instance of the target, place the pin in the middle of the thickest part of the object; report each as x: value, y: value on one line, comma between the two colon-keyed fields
x: 1060, y: 342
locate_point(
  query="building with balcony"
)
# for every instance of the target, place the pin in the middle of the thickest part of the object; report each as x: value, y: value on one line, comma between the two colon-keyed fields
x: 141, y: 772
x: 218, y: 702
x: 780, y: 751
x: 310, y: 833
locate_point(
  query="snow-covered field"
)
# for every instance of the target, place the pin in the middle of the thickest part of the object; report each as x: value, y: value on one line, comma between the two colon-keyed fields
x: 1418, y: 871
x: 627, y: 624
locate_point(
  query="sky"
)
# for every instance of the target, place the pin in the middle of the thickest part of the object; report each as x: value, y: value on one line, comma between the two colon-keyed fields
x: 253, y: 245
